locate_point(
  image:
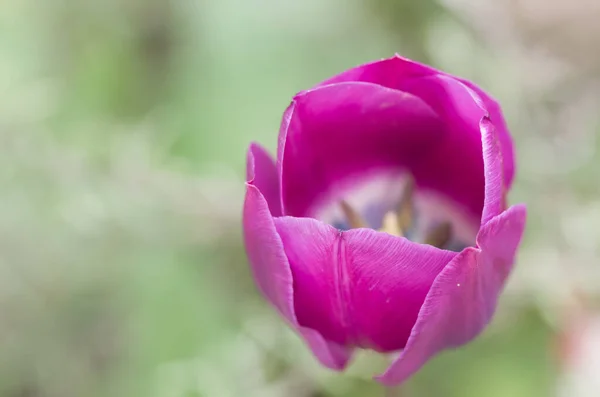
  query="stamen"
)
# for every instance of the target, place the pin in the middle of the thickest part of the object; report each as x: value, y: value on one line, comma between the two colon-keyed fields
x: 354, y: 219
x: 401, y: 222
x: 405, y: 207
x: 390, y: 225
x: 440, y: 235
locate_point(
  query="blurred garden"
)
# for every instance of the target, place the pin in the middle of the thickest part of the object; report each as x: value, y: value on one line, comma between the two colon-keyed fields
x: 124, y: 126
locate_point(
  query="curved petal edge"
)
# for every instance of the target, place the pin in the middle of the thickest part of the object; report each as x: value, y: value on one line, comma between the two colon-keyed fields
x: 261, y: 172
x: 271, y: 270
x: 463, y: 297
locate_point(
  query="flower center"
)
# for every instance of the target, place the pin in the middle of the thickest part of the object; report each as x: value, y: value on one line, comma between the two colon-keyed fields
x: 403, y: 222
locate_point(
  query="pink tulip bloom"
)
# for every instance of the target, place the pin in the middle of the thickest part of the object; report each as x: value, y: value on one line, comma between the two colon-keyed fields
x: 383, y: 222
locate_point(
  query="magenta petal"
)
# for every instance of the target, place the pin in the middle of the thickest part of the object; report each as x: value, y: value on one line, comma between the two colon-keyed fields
x: 361, y: 287
x: 335, y: 132
x: 468, y: 179
x: 330, y: 354
x: 312, y: 249
x: 497, y: 119
x: 463, y: 297
x: 495, y: 189
x: 391, y: 278
x: 395, y: 71
x: 390, y: 72
x: 271, y: 271
x: 462, y: 113
x: 265, y: 251
x: 262, y: 173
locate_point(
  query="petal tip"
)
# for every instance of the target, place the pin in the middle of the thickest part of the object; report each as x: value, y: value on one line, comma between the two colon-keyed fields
x: 254, y: 150
x: 250, y: 164
x: 331, y: 355
x: 261, y: 173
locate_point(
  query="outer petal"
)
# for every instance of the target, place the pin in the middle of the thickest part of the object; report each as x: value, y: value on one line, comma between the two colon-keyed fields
x: 389, y: 72
x: 475, y: 178
x: 463, y: 297
x: 336, y: 132
x: 499, y: 122
x: 393, y: 73
x: 441, y: 91
x: 495, y: 190
x: 361, y: 287
x: 391, y: 276
x: 270, y: 265
x: 262, y: 173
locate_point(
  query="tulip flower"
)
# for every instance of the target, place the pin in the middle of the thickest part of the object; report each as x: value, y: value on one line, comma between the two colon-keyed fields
x: 383, y: 222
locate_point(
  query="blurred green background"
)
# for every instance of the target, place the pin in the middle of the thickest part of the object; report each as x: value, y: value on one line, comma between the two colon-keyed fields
x: 123, y: 131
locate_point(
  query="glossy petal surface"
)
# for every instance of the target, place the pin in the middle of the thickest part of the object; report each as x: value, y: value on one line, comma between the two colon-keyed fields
x: 361, y: 287
x: 461, y: 105
x: 271, y: 268
x: 456, y: 167
x: 463, y: 297
x: 497, y: 119
x: 335, y: 132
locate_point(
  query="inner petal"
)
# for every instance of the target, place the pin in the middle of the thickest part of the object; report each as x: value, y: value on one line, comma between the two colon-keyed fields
x: 348, y: 130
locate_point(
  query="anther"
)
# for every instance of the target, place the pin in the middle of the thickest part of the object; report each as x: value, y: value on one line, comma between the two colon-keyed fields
x: 405, y: 206
x: 354, y: 219
x: 440, y: 235
x: 390, y: 225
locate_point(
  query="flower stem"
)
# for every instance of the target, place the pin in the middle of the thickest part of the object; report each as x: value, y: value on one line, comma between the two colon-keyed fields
x: 393, y: 392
